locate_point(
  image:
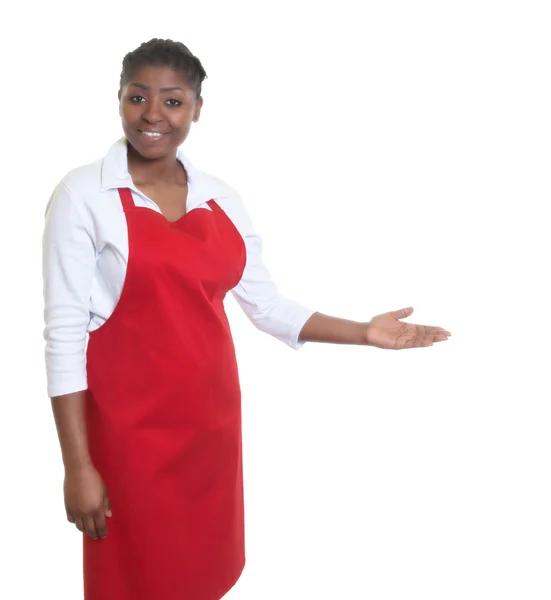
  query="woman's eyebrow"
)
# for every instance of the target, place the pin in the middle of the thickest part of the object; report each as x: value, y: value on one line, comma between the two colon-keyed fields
x: 165, y: 89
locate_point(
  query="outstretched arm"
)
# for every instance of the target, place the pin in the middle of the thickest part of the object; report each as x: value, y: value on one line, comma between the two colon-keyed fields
x: 382, y: 331
x: 295, y: 324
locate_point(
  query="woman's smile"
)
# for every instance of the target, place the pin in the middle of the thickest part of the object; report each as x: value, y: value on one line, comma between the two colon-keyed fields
x: 153, y: 136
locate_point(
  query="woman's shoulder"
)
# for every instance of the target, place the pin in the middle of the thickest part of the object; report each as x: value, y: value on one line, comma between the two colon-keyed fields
x: 213, y: 186
x: 228, y: 198
x: 84, y: 178
x: 82, y: 190
x: 101, y: 174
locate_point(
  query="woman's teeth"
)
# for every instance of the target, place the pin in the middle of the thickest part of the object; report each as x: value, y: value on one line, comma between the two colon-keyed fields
x: 151, y: 134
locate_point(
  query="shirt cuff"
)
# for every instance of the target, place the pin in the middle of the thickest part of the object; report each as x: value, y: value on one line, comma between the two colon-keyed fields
x: 59, y: 386
x: 302, y: 317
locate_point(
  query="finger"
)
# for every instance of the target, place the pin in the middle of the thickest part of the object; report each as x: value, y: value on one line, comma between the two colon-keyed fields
x: 70, y: 517
x: 424, y: 343
x: 418, y: 341
x: 107, y: 506
x: 421, y: 341
x: 90, y: 527
x: 435, y: 338
x: 101, y: 525
x: 402, y: 313
x: 79, y: 524
x: 431, y: 330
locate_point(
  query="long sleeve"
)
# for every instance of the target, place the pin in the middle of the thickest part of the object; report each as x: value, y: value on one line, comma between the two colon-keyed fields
x: 69, y: 259
x: 258, y: 295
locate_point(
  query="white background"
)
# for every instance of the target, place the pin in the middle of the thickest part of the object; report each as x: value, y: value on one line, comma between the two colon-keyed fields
x: 391, y: 154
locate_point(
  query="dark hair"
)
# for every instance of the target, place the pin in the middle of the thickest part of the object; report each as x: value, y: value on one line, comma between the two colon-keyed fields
x: 165, y: 53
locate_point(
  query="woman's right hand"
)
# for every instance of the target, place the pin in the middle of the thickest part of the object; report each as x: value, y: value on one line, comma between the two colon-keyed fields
x: 86, y: 501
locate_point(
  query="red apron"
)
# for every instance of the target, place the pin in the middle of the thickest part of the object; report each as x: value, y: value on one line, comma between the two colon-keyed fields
x: 163, y: 413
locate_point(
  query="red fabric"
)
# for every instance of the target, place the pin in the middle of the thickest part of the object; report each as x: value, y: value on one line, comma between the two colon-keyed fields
x: 163, y: 414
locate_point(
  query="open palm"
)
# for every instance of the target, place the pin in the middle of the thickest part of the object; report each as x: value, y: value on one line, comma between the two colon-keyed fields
x: 386, y: 331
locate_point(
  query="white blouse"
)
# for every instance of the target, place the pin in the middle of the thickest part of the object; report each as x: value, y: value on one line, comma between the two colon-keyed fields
x: 85, y: 254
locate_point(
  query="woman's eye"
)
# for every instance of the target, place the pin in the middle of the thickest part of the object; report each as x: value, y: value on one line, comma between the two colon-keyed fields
x: 139, y: 99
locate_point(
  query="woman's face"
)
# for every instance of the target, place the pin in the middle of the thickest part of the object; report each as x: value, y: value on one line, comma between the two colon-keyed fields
x: 157, y: 108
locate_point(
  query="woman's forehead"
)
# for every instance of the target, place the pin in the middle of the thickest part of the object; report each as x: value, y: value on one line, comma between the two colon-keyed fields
x: 157, y: 76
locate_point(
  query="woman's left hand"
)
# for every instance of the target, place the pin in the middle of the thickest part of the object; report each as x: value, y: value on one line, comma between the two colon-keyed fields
x: 386, y: 331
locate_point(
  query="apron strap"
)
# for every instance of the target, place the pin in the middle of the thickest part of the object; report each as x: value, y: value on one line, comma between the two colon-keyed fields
x: 126, y: 199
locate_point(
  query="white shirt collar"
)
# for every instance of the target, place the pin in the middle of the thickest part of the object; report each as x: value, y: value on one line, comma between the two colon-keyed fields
x: 114, y: 174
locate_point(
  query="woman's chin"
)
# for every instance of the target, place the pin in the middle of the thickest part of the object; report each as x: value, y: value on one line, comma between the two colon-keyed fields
x: 151, y: 150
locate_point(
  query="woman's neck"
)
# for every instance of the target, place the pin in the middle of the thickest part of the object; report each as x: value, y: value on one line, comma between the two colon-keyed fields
x: 167, y: 169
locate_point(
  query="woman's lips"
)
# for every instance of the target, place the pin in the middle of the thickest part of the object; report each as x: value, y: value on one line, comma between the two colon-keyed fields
x: 153, y: 136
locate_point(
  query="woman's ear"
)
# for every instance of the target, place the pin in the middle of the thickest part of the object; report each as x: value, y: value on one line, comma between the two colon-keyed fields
x: 198, y: 107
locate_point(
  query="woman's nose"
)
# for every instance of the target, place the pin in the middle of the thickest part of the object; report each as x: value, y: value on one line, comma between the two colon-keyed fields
x: 153, y: 113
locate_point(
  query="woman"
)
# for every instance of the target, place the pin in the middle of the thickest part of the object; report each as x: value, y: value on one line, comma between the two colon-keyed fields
x: 140, y: 249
